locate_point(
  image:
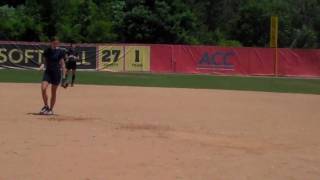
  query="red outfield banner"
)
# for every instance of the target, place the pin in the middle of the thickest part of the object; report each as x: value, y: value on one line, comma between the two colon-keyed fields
x: 234, y: 61
x: 299, y: 62
x: 173, y: 59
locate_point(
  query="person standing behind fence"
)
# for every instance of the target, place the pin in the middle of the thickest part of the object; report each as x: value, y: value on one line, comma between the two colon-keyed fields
x: 54, y: 67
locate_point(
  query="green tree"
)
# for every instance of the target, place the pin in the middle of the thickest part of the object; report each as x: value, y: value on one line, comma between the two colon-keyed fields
x: 252, y: 26
x: 217, y: 22
x: 34, y: 26
x: 13, y: 23
x: 161, y: 22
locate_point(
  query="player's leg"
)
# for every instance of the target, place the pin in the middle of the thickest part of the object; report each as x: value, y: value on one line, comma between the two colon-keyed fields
x: 67, y: 73
x: 68, y: 67
x: 73, y: 76
x: 54, y: 89
x: 56, y: 78
x: 44, y: 86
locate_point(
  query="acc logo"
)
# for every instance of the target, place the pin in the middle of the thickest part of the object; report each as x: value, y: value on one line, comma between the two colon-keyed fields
x: 217, y: 60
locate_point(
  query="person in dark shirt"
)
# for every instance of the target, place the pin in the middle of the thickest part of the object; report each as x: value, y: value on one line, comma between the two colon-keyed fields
x: 71, y: 63
x: 54, y: 67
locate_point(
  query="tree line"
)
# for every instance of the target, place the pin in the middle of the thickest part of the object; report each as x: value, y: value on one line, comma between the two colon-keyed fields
x: 214, y: 22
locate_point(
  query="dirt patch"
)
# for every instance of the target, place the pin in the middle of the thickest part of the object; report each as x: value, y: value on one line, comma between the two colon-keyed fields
x: 148, y: 127
x: 106, y: 132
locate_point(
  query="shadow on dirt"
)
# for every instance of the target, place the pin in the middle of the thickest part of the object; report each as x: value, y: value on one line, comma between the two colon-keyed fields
x: 57, y: 117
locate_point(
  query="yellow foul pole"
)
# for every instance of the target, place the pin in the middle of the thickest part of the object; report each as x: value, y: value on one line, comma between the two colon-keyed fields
x: 274, y: 41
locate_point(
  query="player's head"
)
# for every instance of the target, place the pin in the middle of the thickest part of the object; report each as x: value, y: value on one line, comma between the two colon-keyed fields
x: 55, y: 43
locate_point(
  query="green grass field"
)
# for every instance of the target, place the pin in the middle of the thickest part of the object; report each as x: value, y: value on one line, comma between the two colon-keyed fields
x: 267, y: 84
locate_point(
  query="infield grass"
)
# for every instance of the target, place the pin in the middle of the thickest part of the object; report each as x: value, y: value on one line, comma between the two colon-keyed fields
x: 267, y: 84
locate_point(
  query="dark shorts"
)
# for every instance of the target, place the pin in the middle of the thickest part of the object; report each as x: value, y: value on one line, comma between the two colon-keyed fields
x: 71, y: 65
x: 52, y: 77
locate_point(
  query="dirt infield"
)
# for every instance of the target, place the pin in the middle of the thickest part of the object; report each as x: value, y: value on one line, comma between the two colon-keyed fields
x: 132, y: 133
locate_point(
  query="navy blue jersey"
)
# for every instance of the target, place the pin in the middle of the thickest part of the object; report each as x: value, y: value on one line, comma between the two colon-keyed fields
x: 72, y: 55
x: 53, y: 57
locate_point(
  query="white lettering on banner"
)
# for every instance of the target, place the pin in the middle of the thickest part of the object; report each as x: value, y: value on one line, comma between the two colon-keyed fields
x: 17, y: 56
x: 27, y: 55
x: 83, y: 59
x: 3, y: 57
x: 40, y: 53
x: 20, y: 58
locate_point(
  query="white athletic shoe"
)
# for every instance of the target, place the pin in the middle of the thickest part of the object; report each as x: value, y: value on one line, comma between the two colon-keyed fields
x: 48, y: 112
x: 44, y: 109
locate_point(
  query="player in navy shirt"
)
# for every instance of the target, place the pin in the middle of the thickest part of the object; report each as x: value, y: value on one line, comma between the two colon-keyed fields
x: 54, y: 67
x: 71, y: 63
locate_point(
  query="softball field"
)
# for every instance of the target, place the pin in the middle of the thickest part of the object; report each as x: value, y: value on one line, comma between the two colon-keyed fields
x: 136, y: 133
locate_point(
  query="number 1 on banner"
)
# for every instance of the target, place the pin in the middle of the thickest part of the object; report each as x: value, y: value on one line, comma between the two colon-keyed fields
x: 137, y: 58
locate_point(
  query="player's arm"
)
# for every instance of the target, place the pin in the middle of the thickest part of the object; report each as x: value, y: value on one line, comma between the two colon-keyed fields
x: 63, y: 68
x: 43, y: 64
x: 66, y: 56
